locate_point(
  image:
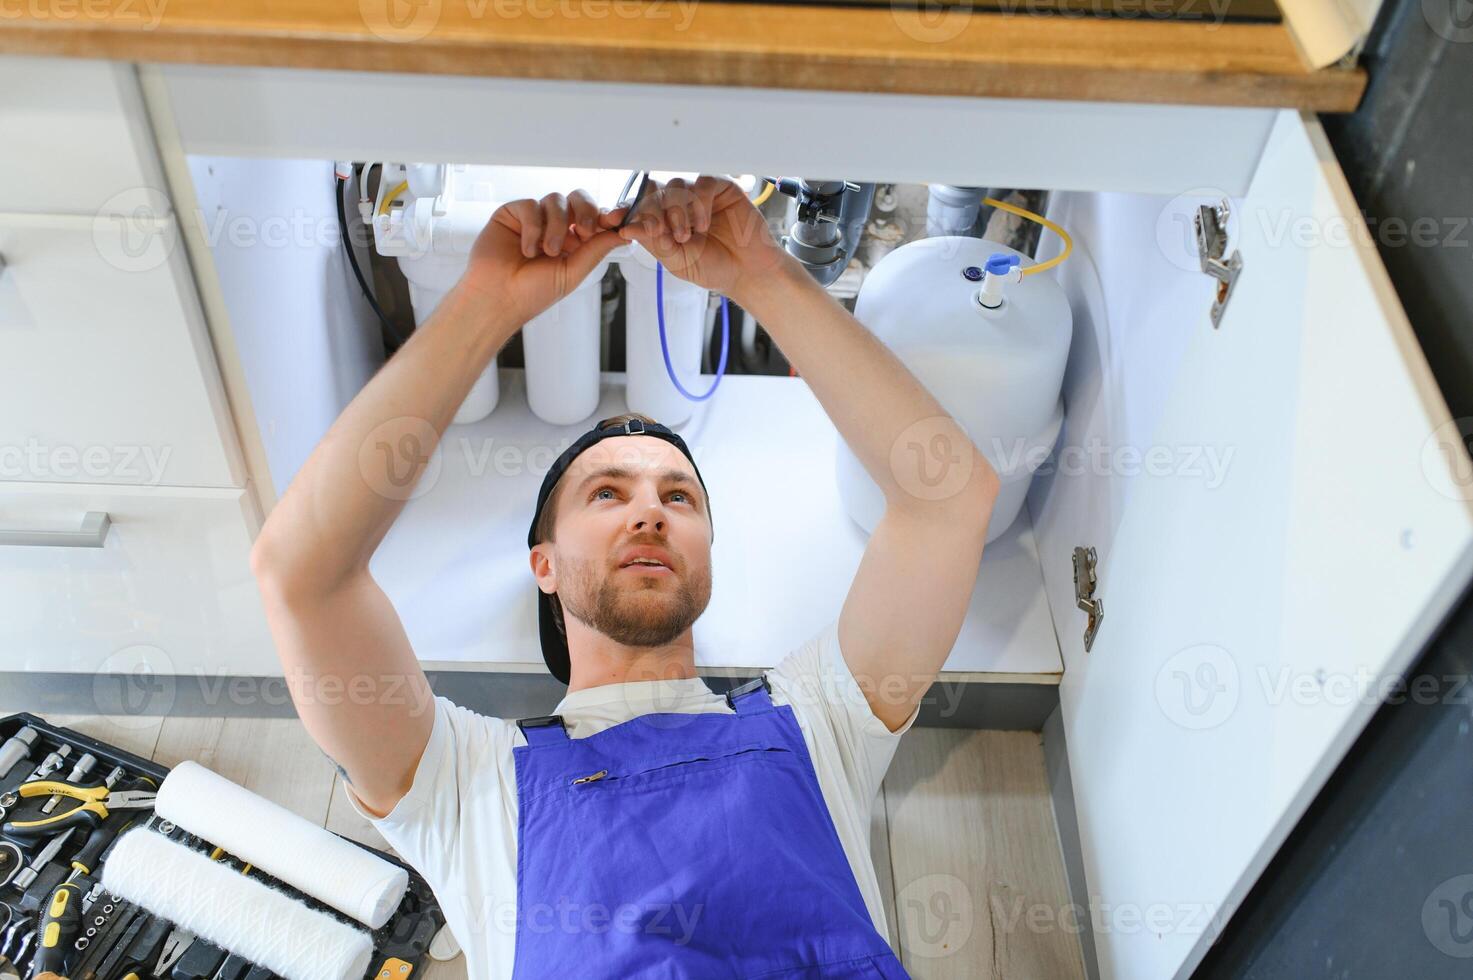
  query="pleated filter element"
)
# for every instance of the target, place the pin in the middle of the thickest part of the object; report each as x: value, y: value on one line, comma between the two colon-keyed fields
x: 234, y: 911
x: 290, y: 849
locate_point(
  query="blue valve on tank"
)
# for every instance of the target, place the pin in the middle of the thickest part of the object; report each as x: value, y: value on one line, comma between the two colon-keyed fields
x: 1000, y: 268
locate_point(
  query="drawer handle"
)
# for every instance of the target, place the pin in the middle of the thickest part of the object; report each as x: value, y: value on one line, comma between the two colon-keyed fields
x: 91, y: 534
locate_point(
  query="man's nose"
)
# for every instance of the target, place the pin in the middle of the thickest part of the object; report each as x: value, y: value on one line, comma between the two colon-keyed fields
x: 646, y: 511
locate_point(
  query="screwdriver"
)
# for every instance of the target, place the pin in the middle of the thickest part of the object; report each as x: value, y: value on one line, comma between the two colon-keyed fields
x: 28, y: 874
x: 58, y: 926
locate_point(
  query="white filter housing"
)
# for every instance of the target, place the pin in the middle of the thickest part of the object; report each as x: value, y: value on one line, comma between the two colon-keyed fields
x: 997, y: 372
x: 649, y: 390
x: 432, y: 237
x: 561, y: 347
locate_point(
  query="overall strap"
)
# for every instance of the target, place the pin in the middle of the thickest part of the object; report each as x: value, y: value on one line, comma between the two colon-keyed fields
x: 543, y: 730
x: 751, y: 697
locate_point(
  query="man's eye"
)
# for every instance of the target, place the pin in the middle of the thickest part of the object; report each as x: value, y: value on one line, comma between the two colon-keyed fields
x: 681, y: 494
x: 601, y: 490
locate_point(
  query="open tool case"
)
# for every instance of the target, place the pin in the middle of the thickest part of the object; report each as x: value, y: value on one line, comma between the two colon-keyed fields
x: 114, y: 939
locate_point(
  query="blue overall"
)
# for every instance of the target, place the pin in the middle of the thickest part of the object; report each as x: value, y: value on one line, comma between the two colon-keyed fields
x: 685, y: 845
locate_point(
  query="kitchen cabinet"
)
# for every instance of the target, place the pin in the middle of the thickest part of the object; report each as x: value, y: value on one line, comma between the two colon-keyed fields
x: 1261, y: 507
x: 126, y: 513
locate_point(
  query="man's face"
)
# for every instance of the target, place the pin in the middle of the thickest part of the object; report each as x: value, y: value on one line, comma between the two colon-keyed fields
x: 631, y: 550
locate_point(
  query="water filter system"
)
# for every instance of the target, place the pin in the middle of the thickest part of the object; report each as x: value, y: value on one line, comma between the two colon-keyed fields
x: 431, y: 236
x: 969, y: 317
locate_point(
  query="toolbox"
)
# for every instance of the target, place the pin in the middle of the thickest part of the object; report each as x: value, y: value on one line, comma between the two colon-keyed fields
x: 48, y: 841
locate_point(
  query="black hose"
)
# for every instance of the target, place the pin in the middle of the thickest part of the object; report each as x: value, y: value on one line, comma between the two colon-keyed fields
x: 358, y: 273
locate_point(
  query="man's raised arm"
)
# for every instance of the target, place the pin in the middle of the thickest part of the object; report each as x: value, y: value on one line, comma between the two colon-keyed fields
x: 909, y: 597
x: 353, y: 676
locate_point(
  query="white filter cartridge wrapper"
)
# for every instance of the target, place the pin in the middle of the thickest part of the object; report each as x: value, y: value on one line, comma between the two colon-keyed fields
x: 234, y: 911
x: 312, y: 860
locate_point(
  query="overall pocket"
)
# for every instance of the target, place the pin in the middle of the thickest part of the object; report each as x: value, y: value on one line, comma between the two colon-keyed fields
x: 600, y: 779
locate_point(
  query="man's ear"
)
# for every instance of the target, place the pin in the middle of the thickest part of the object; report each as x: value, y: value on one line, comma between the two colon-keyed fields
x: 540, y: 559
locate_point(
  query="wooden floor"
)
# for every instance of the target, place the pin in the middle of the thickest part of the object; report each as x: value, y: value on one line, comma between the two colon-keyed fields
x: 965, y: 842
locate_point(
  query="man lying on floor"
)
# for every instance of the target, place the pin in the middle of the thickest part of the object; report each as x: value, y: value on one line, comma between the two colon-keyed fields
x: 649, y: 826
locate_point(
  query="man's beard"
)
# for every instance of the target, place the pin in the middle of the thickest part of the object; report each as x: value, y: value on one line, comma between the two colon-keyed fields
x: 627, y: 615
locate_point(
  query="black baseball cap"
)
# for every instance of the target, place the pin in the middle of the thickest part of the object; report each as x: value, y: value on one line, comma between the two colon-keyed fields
x: 554, y: 644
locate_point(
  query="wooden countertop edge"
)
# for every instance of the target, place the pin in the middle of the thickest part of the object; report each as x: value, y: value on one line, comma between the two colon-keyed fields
x: 856, y: 50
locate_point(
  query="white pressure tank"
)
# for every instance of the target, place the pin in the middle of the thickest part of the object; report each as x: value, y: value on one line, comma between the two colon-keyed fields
x: 998, y: 372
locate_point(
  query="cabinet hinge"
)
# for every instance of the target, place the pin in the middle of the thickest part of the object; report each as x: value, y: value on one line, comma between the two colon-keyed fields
x: 1084, y: 593
x: 1211, y: 227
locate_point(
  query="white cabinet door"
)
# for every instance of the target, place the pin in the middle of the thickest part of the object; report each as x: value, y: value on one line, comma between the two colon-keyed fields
x: 1249, y: 622
x: 105, y: 366
x: 75, y: 135
x: 168, y: 589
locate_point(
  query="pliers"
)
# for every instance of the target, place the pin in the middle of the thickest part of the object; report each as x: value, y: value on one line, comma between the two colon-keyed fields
x: 97, y: 801
x: 174, y: 947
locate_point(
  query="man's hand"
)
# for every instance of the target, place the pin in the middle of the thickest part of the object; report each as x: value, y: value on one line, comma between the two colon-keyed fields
x: 533, y: 253
x: 707, y: 232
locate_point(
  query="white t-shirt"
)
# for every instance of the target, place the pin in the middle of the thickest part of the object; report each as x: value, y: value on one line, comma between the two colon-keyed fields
x: 457, y: 825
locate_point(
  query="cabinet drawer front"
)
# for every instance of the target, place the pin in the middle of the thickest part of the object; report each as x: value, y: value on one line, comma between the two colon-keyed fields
x: 75, y: 135
x: 106, y: 369
x: 168, y: 589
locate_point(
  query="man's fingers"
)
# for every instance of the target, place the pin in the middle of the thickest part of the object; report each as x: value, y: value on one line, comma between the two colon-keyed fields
x: 583, y: 213
x: 611, y: 217
x: 555, y: 216
x: 529, y: 215
x: 581, y: 263
x: 675, y: 202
